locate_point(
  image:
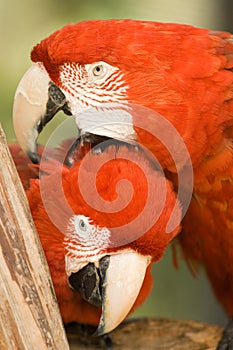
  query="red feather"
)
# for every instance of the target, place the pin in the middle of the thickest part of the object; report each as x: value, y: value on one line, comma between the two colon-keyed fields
x: 51, y: 216
x: 186, y: 75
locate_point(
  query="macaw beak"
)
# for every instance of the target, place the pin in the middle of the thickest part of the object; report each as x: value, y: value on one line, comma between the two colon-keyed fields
x: 113, y: 283
x: 36, y: 102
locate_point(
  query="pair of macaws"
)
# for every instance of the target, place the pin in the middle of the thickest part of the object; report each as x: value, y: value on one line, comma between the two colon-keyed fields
x: 165, y: 93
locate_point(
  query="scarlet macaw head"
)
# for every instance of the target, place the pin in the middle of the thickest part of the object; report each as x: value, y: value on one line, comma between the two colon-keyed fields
x: 118, y: 62
x: 101, y: 224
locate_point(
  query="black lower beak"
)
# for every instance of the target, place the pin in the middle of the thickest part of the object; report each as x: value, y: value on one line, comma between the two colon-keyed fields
x: 89, y: 281
x: 56, y: 102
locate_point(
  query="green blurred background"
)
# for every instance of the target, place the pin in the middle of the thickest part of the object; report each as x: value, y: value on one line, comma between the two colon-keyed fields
x: 176, y: 294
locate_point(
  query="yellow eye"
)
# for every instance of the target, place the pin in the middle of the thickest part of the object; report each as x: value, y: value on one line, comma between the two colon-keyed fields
x: 98, y: 70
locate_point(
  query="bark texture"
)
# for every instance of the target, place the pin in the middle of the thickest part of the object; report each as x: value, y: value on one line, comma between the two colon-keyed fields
x: 29, y: 314
x: 151, y: 334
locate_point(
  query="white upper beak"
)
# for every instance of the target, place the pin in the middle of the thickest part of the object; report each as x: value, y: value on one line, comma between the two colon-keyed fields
x: 122, y: 284
x: 29, y: 108
x: 37, y: 100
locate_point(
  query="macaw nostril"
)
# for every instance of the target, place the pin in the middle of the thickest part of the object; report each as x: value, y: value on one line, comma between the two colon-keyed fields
x: 89, y: 281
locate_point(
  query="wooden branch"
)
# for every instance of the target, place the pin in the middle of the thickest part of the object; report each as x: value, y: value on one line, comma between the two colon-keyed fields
x: 29, y: 314
x: 151, y: 334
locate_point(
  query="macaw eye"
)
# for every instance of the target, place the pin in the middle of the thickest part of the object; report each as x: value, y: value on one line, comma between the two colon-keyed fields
x: 98, y: 70
x: 82, y: 225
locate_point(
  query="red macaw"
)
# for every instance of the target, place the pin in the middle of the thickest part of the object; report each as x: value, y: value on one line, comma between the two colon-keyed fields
x: 100, y: 261
x: 181, y: 72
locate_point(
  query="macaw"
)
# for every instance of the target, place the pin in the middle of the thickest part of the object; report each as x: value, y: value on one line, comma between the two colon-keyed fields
x: 182, y: 73
x: 100, y: 261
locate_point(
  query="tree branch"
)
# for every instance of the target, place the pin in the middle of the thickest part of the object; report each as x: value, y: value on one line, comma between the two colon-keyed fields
x: 29, y: 314
x: 151, y: 334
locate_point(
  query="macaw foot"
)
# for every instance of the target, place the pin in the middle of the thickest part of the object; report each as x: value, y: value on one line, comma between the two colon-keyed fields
x: 107, y: 341
x: 82, y: 333
x: 87, y: 140
x: 70, y: 155
x: 226, y: 343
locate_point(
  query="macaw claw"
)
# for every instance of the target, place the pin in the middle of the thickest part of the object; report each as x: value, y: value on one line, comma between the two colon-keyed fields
x: 226, y: 342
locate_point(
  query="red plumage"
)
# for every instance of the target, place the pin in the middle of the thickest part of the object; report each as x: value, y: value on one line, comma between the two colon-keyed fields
x: 182, y: 72
x: 186, y: 75
x: 51, y: 214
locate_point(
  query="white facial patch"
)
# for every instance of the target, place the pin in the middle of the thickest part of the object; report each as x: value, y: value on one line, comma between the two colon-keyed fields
x: 110, y: 121
x: 97, y: 97
x: 84, y: 242
x: 86, y: 234
x: 85, y: 239
x: 91, y: 85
